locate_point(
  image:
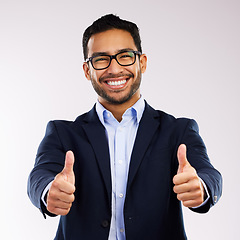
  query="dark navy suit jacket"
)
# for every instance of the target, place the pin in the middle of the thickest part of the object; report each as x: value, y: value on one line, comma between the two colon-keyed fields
x: 151, y: 210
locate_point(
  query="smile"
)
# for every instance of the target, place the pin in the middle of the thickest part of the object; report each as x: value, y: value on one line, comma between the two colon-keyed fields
x: 116, y: 83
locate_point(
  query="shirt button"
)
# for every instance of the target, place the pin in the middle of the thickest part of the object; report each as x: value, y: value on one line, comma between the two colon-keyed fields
x: 121, y: 230
x: 120, y: 161
x: 121, y: 195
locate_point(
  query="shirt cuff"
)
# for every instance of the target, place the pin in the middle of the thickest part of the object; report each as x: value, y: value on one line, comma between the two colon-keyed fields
x: 207, y: 193
x: 45, y: 192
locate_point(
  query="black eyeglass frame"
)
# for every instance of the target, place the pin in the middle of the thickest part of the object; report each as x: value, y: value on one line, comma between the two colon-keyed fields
x: 114, y: 57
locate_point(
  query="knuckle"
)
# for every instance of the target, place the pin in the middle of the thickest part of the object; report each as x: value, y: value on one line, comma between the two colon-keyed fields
x: 192, y: 174
x: 70, y: 199
x: 50, y: 208
x: 73, y: 198
x: 198, y: 202
x: 50, y: 204
x: 52, y: 195
x: 49, y: 201
x: 176, y: 180
x: 55, y: 184
x: 196, y: 184
x: 186, y: 204
x: 200, y: 196
x: 71, y: 189
x: 179, y: 197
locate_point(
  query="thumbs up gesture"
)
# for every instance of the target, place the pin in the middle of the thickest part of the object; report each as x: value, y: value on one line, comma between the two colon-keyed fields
x: 61, y: 193
x: 188, y: 186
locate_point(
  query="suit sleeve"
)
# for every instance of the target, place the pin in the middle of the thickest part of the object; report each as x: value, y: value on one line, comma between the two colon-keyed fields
x: 198, y: 158
x: 49, y: 162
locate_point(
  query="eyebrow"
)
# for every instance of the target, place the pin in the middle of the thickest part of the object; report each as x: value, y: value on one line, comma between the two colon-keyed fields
x: 107, y: 53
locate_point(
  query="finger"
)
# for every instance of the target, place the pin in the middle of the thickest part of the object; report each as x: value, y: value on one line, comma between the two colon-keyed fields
x: 187, y: 187
x: 185, y: 177
x: 188, y: 196
x: 192, y: 203
x: 61, y: 185
x: 69, y: 162
x: 60, y: 196
x: 67, y: 188
x: 66, y: 198
x: 182, y: 188
x: 58, y: 210
x: 68, y: 167
x: 59, y: 204
x: 182, y: 158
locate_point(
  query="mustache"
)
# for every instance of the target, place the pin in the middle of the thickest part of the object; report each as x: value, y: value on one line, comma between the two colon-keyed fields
x: 111, y: 75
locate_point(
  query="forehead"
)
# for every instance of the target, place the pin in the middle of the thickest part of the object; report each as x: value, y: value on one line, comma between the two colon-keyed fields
x: 110, y: 41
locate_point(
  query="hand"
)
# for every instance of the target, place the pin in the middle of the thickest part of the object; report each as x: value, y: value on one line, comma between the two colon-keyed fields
x: 188, y: 186
x: 61, y: 193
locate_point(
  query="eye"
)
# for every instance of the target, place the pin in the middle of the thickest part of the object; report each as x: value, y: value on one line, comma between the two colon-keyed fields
x: 100, y: 59
x: 126, y: 55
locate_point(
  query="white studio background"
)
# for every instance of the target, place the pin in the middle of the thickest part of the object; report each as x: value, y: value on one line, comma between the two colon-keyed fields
x: 193, y: 71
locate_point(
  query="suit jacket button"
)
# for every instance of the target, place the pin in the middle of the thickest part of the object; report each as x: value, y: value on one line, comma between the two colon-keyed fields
x: 105, y: 223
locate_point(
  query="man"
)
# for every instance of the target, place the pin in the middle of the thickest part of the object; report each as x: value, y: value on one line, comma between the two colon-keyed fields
x: 122, y: 170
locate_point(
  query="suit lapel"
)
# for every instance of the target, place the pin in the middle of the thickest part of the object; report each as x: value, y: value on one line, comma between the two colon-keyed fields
x: 95, y: 132
x: 147, y: 127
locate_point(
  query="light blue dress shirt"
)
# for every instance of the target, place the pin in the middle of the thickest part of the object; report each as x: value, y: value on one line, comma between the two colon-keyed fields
x: 121, y: 137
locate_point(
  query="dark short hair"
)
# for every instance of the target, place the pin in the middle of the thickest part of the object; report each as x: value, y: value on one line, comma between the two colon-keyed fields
x: 109, y: 22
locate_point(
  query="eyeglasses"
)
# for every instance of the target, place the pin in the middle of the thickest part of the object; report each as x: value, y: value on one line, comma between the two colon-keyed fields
x: 103, y: 61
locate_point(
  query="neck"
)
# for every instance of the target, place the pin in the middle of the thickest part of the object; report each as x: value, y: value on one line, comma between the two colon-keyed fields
x: 118, y: 109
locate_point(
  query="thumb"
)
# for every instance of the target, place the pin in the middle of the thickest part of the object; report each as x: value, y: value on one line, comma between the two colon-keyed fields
x: 182, y: 158
x: 68, y: 167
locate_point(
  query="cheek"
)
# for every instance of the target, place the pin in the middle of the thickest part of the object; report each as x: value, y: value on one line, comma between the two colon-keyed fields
x: 97, y: 74
x: 133, y: 70
x: 136, y: 68
x: 93, y: 75
x: 136, y: 71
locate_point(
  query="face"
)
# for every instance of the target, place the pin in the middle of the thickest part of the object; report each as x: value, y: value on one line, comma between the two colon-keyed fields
x: 116, y: 84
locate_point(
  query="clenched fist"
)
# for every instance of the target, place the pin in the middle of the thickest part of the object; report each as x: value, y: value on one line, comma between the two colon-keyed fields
x: 188, y: 186
x: 61, y: 193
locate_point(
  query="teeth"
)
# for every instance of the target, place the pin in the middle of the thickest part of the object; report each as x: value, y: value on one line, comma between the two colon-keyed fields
x: 116, y: 83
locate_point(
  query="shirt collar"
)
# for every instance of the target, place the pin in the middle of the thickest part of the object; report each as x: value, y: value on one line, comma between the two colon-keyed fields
x: 138, y: 107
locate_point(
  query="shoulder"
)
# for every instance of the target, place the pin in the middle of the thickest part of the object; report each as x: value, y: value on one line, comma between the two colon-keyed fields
x: 168, y: 120
x: 65, y: 129
x: 80, y: 120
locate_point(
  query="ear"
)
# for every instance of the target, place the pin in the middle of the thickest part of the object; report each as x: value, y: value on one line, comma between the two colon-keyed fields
x: 143, y: 62
x: 86, y: 70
